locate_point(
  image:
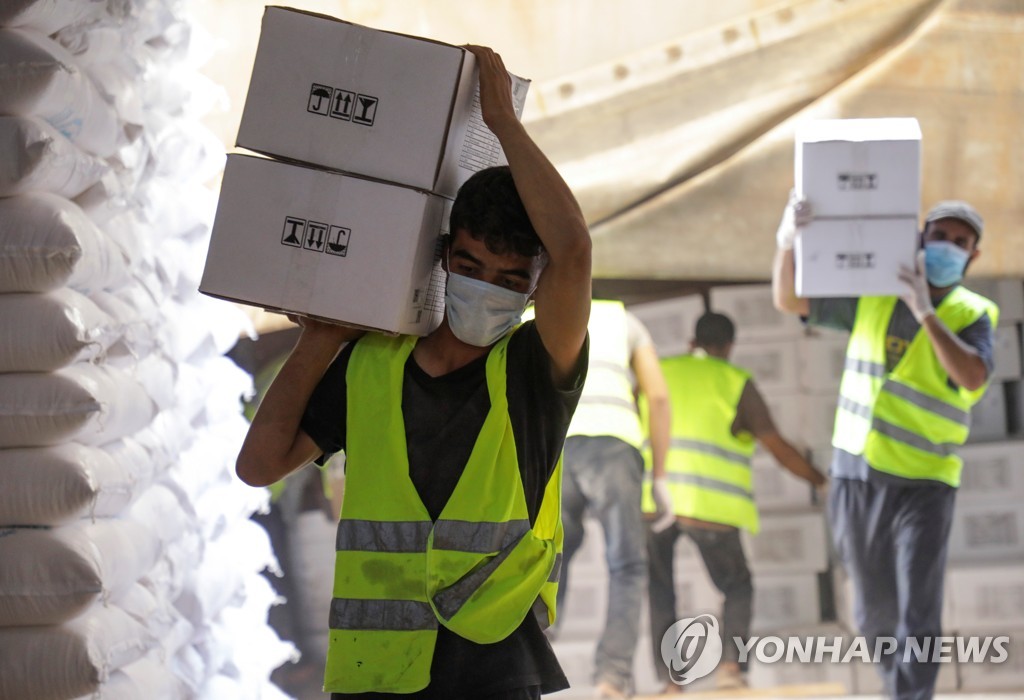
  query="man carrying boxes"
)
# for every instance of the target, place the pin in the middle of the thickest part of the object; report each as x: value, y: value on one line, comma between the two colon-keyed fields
x: 449, y: 541
x: 915, y: 364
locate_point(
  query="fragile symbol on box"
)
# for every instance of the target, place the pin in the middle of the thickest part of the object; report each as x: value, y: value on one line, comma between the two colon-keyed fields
x: 342, y: 104
x: 857, y: 181
x: 315, y: 236
x: 855, y: 261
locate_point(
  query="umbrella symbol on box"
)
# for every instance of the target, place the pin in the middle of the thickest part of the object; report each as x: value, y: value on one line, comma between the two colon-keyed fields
x: 337, y: 241
x: 319, y: 99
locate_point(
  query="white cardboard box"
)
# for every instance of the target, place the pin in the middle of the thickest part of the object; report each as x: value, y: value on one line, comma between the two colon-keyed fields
x: 788, y: 543
x: 859, y: 167
x: 751, y: 308
x: 670, y: 322
x: 775, y: 487
x: 391, y: 106
x: 854, y: 257
x: 987, y: 529
x: 818, y: 418
x: 1006, y: 353
x: 327, y: 245
x: 774, y: 364
x: 990, y: 416
x: 785, y: 600
x: 985, y: 596
x: 1006, y: 292
x: 822, y: 359
x: 992, y: 470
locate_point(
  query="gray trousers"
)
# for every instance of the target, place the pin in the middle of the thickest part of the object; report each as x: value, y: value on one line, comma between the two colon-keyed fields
x: 892, y: 541
x: 603, y: 475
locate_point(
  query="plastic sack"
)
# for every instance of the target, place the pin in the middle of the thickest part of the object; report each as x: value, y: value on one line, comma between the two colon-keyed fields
x: 39, y: 77
x: 47, y: 242
x: 53, y: 330
x: 50, y: 575
x: 35, y: 157
x: 55, y: 485
x: 147, y: 678
x: 72, y: 659
x: 48, y: 16
x: 85, y: 403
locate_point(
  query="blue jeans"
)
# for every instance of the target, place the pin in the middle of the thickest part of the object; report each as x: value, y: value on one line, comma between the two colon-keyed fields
x: 603, y: 475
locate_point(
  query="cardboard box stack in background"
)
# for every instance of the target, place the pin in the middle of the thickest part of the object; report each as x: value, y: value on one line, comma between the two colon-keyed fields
x: 400, y: 117
x: 862, y: 180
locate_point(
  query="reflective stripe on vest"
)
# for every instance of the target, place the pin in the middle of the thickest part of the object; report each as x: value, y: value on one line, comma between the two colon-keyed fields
x: 907, y: 422
x: 479, y: 569
x: 708, y: 468
x: 607, y: 406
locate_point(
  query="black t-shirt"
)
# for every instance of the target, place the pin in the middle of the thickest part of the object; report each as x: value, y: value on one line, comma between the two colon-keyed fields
x: 443, y: 417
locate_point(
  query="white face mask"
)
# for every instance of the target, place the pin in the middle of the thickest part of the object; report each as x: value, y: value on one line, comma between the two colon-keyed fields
x: 480, y: 313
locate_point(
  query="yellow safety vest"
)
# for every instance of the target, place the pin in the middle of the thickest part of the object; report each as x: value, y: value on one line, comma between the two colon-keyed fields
x: 607, y: 405
x: 906, y: 422
x: 478, y: 570
x: 707, y: 467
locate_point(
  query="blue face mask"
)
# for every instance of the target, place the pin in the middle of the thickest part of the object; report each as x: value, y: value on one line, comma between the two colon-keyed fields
x: 479, y: 313
x: 944, y: 263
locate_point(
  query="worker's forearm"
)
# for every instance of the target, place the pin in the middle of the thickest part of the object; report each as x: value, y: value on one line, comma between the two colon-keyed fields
x: 962, y: 362
x: 660, y: 427
x: 784, y: 284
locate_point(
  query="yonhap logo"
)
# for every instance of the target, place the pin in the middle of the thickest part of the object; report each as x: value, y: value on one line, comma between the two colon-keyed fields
x: 691, y: 648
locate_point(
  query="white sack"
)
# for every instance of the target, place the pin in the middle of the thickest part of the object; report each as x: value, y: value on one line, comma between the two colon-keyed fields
x: 146, y: 678
x: 69, y: 660
x: 52, y: 330
x: 51, y: 574
x: 48, y: 16
x: 39, y: 77
x: 48, y: 242
x: 35, y: 157
x: 91, y: 404
x: 54, y: 485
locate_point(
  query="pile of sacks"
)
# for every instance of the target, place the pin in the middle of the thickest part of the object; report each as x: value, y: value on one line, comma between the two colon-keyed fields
x: 129, y: 566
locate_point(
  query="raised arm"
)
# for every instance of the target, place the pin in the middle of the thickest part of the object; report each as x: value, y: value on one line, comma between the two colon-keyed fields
x: 275, y: 445
x: 796, y: 214
x: 563, y: 292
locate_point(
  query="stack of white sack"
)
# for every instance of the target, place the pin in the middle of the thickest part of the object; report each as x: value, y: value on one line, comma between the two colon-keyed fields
x: 131, y: 567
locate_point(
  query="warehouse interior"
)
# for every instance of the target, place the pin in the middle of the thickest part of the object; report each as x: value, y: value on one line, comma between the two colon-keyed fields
x: 136, y: 564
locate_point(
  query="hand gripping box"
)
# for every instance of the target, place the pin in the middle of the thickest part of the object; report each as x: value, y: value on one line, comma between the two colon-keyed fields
x: 327, y: 245
x: 346, y: 97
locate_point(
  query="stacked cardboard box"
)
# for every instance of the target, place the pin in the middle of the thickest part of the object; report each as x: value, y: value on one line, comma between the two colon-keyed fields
x: 371, y: 133
x: 862, y: 179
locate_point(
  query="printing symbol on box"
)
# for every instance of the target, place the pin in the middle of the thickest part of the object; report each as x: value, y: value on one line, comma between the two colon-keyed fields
x: 337, y: 241
x: 858, y: 181
x: 316, y: 236
x: 343, y: 104
x: 293, y: 233
x: 855, y: 261
x: 319, y: 99
x: 366, y: 110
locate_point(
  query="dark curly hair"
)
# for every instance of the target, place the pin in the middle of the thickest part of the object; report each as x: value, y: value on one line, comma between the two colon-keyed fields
x: 714, y: 330
x: 489, y: 208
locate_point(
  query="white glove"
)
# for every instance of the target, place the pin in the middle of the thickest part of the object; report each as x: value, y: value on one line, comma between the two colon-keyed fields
x: 795, y: 216
x: 917, y: 297
x: 663, y: 503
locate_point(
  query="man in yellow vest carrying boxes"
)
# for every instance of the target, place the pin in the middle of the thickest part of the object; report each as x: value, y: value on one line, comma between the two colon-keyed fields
x: 914, y: 367
x: 718, y: 416
x: 604, y: 473
x: 449, y: 540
